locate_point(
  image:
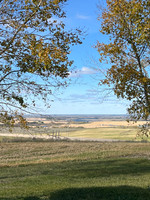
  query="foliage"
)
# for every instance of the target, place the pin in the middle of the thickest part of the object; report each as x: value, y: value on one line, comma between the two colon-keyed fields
x: 34, y: 49
x: 144, y: 130
x: 126, y: 22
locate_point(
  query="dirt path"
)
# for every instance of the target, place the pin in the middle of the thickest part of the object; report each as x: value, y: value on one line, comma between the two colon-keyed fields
x: 24, y: 135
x: 61, y: 138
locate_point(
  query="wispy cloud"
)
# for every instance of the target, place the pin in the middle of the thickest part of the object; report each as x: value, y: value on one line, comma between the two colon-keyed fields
x: 79, y: 98
x: 82, y: 71
x: 83, y: 17
x: 93, y: 97
x: 87, y: 96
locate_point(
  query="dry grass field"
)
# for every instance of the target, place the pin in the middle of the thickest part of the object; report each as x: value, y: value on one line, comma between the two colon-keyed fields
x: 78, y: 127
x: 108, y: 123
x: 104, y: 129
x: 93, y: 124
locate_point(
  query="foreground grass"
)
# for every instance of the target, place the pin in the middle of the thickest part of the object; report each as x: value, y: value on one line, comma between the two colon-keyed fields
x: 74, y: 171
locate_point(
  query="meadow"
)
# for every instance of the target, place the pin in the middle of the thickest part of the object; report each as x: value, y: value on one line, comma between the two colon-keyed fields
x: 63, y: 170
x: 102, y: 130
x: 114, y: 133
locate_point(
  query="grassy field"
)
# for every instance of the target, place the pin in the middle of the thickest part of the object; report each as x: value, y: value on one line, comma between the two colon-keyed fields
x: 74, y: 171
x: 119, y: 133
x: 103, y: 129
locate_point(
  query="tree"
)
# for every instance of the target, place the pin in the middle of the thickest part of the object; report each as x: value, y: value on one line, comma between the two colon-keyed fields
x: 34, y: 49
x: 127, y: 23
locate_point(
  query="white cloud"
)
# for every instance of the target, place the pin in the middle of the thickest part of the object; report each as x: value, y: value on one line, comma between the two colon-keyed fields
x: 82, y: 71
x: 84, y: 17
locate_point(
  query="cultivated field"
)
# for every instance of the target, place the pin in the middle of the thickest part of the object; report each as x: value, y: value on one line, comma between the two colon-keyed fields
x: 74, y: 171
x: 79, y: 127
x: 108, y: 123
x: 121, y: 133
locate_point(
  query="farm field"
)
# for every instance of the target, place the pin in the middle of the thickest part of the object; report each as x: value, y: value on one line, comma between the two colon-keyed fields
x: 74, y: 170
x: 102, y: 133
x: 114, y: 133
x: 85, y: 127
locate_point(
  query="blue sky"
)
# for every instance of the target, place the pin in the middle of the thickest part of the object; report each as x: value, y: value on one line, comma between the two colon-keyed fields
x: 83, y: 95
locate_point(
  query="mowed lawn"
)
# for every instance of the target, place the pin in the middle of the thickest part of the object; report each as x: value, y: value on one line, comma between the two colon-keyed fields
x: 74, y: 171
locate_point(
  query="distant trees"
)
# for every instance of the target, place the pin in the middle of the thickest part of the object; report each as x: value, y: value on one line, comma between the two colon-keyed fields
x: 34, y: 49
x: 127, y: 23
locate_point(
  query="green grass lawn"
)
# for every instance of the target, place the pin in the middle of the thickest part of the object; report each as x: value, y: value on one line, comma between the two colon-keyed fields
x: 74, y: 171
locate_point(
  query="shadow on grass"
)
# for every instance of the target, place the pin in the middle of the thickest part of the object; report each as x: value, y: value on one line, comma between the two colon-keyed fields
x: 80, y: 169
x: 95, y: 193
x: 107, y: 168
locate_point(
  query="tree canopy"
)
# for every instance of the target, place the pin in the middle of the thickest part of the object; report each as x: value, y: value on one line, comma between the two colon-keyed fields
x: 34, y: 49
x: 127, y: 23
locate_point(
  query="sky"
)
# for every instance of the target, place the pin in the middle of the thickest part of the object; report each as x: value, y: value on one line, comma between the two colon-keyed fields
x: 83, y: 95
